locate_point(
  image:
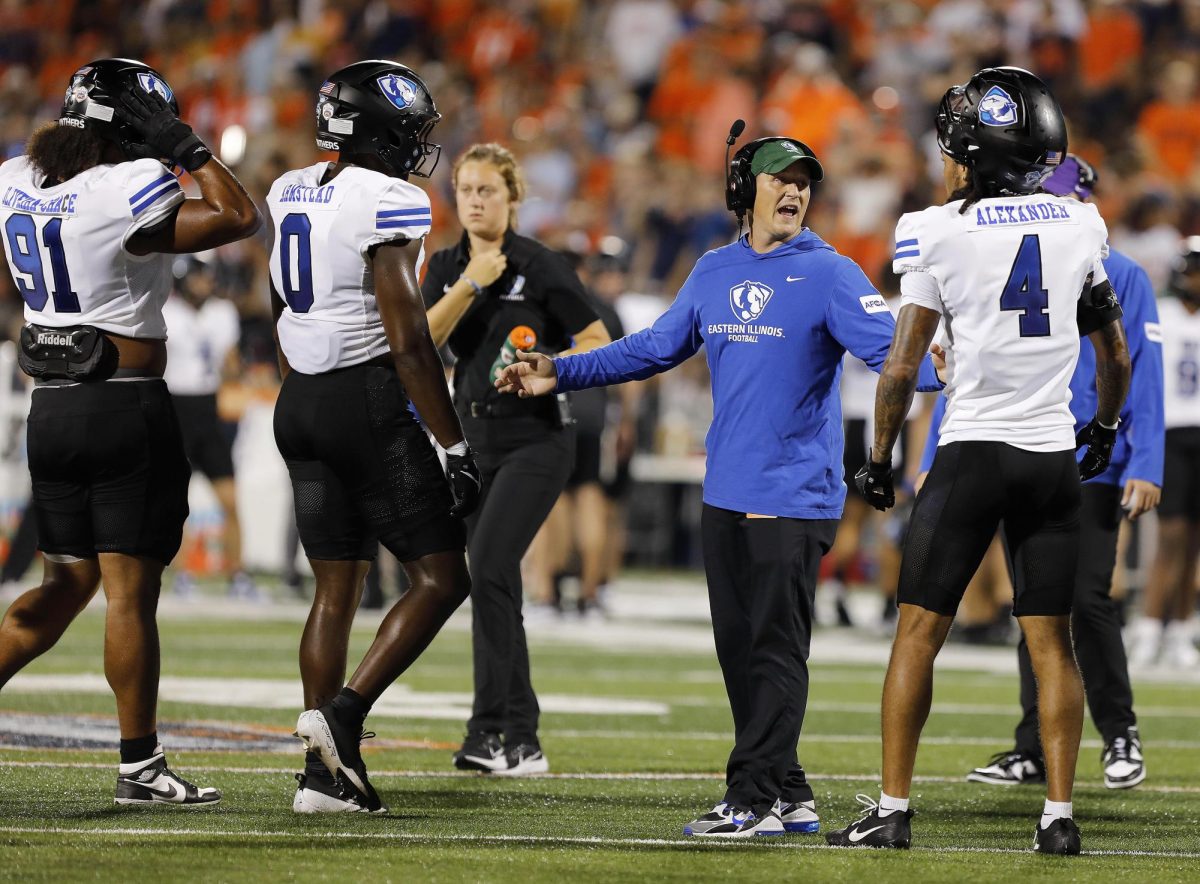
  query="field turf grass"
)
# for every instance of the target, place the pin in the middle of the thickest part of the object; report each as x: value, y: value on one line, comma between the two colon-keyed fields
x: 623, y: 785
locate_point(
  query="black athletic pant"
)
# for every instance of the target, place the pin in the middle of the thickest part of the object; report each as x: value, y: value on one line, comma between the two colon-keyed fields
x: 1095, y: 628
x: 762, y: 578
x: 521, y: 482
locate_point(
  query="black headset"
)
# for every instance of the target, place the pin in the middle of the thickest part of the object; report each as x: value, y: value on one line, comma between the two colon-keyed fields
x: 740, y: 186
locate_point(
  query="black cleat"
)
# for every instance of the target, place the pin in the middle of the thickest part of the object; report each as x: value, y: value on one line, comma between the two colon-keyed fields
x: 483, y: 752
x: 318, y: 791
x: 873, y: 830
x: 336, y: 743
x: 152, y: 782
x: 1060, y: 838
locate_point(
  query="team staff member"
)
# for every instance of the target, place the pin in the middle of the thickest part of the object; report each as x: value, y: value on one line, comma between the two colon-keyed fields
x: 478, y: 292
x: 1132, y: 482
x: 202, y: 329
x: 776, y: 311
x: 1008, y: 442
x: 89, y: 215
x: 354, y: 351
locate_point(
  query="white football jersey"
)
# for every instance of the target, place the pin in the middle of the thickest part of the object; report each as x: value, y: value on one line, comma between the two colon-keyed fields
x: 198, y: 340
x: 1006, y: 276
x: 319, y: 260
x: 66, y: 245
x: 1181, y: 363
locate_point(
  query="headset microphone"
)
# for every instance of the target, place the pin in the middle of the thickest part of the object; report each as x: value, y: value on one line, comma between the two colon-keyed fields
x: 731, y: 199
x: 735, y: 131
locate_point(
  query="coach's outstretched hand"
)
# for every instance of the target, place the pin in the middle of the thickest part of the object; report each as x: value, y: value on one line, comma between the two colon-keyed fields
x: 875, y: 483
x: 465, y: 483
x: 1099, y: 441
x: 163, y: 133
x: 533, y: 374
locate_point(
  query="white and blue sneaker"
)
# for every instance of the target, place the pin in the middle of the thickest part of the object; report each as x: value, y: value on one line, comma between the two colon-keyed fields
x: 727, y: 821
x: 799, y: 817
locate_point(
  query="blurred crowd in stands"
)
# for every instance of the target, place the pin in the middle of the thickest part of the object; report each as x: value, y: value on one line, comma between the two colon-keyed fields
x: 618, y: 111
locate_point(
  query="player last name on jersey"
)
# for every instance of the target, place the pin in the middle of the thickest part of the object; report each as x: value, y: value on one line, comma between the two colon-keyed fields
x: 63, y: 204
x: 302, y: 193
x: 747, y: 334
x: 1021, y: 214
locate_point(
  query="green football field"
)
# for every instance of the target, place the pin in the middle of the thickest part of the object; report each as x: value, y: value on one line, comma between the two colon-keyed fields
x: 636, y: 729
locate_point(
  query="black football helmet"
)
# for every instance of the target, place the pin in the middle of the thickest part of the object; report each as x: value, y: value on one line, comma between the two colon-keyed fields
x: 1006, y: 127
x: 91, y: 99
x: 1185, y: 272
x: 382, y: 108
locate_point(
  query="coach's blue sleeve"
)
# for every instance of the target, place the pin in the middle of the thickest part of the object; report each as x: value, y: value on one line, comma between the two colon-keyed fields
x: 674, y: 337
x: 935, y: 434
x: 859, y: 319
x: 1144, y: 405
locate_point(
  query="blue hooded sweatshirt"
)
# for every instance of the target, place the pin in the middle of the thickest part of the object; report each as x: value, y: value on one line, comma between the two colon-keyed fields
x: 776, y: 326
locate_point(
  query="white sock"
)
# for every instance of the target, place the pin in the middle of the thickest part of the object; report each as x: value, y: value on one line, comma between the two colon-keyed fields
x: 1055, y: 810
x: 889, y: 805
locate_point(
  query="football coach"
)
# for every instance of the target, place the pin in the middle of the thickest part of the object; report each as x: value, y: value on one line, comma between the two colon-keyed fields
x: 777, y: 309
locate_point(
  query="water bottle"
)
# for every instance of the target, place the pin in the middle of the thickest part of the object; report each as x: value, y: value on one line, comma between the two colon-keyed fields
x: 521, y: 338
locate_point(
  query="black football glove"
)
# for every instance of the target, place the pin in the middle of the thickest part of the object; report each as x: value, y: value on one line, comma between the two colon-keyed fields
x: 875, y: 483
x: 163, y: 133
x: 465, y: 483
x: 1099, y: 441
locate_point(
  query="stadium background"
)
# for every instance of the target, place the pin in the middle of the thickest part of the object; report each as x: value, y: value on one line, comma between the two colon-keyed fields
x: 618, y: 112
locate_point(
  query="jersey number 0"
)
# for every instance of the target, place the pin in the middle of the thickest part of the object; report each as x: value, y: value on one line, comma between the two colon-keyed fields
x: 295, y: 246
x: 1024, y: 291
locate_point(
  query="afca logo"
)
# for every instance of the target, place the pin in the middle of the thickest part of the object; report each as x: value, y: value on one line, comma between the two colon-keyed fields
x: 749, y: 299
x: 151, y: 83
x: 997, y: 108
x: 399, y: 91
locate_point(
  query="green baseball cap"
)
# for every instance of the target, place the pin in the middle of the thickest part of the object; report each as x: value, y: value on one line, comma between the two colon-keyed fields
x: 775, y: 156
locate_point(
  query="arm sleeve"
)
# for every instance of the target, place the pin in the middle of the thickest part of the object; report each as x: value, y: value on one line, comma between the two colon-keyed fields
x: 402, y: 212
x: 150, y: 192
x: 566, y: 299
x: 935, y: 433
x: 859, y: 319
x: 1144, y: 407
x: 674, y: 337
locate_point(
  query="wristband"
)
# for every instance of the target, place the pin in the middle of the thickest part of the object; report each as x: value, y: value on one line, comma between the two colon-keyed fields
x: 472, y: 283
x: 1106, y: 426
x: 458, y: 449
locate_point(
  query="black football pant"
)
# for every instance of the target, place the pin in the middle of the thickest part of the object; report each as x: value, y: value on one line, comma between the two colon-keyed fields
x: 1095, y: 628
x: 520, y: 486
x: 762, y: 578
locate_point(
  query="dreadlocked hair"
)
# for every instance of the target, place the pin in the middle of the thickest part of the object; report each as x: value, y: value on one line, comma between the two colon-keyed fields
x: 970, y: 193
x: 62, y: 152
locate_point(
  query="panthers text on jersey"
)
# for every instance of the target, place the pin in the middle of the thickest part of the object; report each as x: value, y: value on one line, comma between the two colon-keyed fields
x: 319, y: 263
x: 1006, y: 275
x: 66, y: 245
x: 1181, y: 363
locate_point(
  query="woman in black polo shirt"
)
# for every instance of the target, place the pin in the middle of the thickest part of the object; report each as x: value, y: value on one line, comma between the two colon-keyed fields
x: 478, y: 293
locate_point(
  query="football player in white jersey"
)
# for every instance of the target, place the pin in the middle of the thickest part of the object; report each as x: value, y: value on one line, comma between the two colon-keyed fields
x: 355, y: 351
x: 89, y: 217
x: 1016, y: 276
x: 1171, y: 586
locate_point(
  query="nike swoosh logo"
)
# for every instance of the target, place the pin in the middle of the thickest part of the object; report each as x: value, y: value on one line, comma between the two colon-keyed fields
x: 796, y: 278
x: 857, y: 836
x: 169, y: 793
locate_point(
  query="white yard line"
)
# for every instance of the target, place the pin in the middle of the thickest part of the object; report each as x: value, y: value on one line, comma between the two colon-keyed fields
x: 591, y: 841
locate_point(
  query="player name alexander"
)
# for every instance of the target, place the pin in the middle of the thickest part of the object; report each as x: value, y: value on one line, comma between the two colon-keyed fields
x: 748, y: 333
x: 992, y: 215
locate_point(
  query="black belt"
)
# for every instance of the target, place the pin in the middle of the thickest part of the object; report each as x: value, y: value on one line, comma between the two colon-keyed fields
x: 543, y: 409
x: 119, y: 374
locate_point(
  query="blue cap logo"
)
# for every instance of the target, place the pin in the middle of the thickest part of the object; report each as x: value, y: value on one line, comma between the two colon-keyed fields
x: 399, y: 91
x: 997, y: 108
x: 152, y: 83
x: 749, y: 299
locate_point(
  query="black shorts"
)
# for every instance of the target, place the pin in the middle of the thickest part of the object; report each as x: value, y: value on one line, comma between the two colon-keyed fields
x: 363, y: 471
x: 1181, y: 475
x: 108, y: 468
x: 209, y: 449
x: 972, y: 488
x: 587, y: 460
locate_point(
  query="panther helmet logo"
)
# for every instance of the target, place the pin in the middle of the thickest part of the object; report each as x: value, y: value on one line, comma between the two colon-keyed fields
x: 399, y: 91
x: 151, y: 83
x: 749, y: 299
x: 997, y: 108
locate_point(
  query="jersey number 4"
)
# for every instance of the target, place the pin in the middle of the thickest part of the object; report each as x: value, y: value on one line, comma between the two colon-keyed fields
x: 1024, y: 291
x: 295, y: 261
x: 26, y: 256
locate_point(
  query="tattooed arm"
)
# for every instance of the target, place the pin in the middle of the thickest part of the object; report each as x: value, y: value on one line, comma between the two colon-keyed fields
x: 1112, y: 370
x: 915, y: 329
